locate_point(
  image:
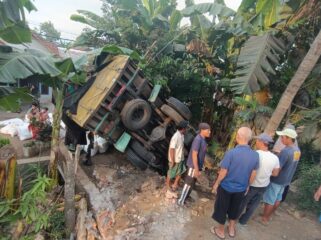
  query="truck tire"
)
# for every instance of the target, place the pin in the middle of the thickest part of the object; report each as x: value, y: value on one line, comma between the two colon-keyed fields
x: 170, y: 112
x: 136, y: 114
x: 136, y: 160
x: 142, y: 152
x: 180, y: 107
x: 156, y: 163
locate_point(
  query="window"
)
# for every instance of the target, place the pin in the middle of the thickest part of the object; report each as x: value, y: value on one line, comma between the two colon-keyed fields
x: 44, y: 89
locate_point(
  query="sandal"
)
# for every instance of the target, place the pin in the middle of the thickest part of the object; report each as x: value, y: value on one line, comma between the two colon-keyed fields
x: 213, y: 230
x: 229, y: 233
x: 264, y: 223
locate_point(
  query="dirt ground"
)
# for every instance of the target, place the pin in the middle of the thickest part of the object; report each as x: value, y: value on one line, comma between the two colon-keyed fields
x: 140, y: 209
x: 143, y: 212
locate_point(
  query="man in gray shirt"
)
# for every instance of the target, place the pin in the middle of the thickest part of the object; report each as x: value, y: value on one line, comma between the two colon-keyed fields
x: 289, y: 158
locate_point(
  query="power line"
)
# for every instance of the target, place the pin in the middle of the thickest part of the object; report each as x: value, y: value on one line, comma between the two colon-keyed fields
x: 53, y: 37
x: 62, y: 31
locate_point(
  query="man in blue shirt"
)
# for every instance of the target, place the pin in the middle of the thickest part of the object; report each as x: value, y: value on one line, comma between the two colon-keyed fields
x: 195, y: 160
x: 238, y: 170
x: 289, y: 158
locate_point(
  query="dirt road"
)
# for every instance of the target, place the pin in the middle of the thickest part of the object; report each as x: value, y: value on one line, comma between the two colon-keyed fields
x: 143, y: 212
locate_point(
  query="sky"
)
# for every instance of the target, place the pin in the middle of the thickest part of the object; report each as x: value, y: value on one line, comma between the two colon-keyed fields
x: 59, y: 12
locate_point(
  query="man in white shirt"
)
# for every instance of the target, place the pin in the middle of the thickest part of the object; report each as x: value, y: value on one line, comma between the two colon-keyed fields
x: 176, y: 156
x: 269, y: 166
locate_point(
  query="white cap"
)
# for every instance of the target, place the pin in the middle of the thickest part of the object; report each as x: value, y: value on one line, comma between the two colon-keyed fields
x: 287, y: 132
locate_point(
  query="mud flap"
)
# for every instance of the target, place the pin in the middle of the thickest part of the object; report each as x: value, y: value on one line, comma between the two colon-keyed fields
x: 122, y: 142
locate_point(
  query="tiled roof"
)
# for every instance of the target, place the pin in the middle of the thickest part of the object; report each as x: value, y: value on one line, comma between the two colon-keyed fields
x: 52, y: 48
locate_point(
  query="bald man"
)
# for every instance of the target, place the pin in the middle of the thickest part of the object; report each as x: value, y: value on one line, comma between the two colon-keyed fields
x: 238, y: 170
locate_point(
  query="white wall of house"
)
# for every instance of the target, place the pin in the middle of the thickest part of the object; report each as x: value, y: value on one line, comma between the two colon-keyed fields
x: 45, y: 93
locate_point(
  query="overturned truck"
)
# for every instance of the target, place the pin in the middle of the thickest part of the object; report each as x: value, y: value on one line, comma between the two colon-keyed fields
x: 122, y: 106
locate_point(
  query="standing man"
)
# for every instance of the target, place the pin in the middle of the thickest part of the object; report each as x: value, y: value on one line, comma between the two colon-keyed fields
x: 269, y: 165
x: 278, y: 146
x: 195, y: 160
x: 238, y: 170
x: 289, y: 158
x: 176, y: 156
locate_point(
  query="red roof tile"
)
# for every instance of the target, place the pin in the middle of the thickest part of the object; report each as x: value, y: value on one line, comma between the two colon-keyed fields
x: 52, y: 48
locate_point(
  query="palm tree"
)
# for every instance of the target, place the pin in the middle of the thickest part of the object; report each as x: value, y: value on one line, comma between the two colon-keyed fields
x: 294, y: 85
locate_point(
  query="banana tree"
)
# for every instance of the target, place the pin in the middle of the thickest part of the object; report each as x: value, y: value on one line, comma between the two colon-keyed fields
x: 134, y: 24
x: 264, y: 15
x: 102, y: 30
x: 257, y: 61
x: 52, y: 72
x: 13, y: 27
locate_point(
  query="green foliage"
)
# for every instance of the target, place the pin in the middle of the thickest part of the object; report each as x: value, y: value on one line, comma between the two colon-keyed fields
x: 251, y: 110
x: 11, y: 98
x: 114, y: 49
x: 13, y: 28
x: 56, y: 226
x: 214, y: 9
x: 16, y: 65
x: 258, y: 58
x: 48, y: 32
x: 32, y: 206
x: 263, y: 14
x: 308, y: 183
x: 4, y: 141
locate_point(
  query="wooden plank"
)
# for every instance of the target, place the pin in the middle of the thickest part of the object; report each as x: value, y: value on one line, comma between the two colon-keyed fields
x: 33, y: 160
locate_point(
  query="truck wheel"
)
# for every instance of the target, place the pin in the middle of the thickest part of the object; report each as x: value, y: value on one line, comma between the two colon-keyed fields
x: 170, y: 112
x: 156, y: 163
x: 180, y: 107
x: 136, y: 160
x: 142, y: 152
x: 136, y: 114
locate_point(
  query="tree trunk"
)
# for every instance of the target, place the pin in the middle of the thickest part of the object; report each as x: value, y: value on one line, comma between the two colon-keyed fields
x: 294, y: 85
x: 53, y: 173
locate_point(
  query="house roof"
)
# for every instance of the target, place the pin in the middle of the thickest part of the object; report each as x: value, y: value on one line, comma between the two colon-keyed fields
x: 51, y: 47
x: 37, y: 42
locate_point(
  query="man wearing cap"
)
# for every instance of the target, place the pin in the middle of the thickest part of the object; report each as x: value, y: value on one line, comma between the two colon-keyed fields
x: 269, y: 166
x: 238, y: 170
x: 176, y: 156
x: 289, y: 158
x: 195, y: 160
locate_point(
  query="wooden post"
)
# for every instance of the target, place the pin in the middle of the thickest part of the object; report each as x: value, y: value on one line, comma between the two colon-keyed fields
x: 69, y: 173
x: 10, y: 178
x: 81, y: 228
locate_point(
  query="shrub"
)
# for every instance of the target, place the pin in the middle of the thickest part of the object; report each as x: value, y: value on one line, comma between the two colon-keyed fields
x: 4, y: 141
x: 308, y: 183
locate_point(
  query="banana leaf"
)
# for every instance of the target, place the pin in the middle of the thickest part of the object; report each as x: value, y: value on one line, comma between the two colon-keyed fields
x: 17, y: 65
x: 11, y: 98
x: 13, y: 27
x: 257, y: 60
